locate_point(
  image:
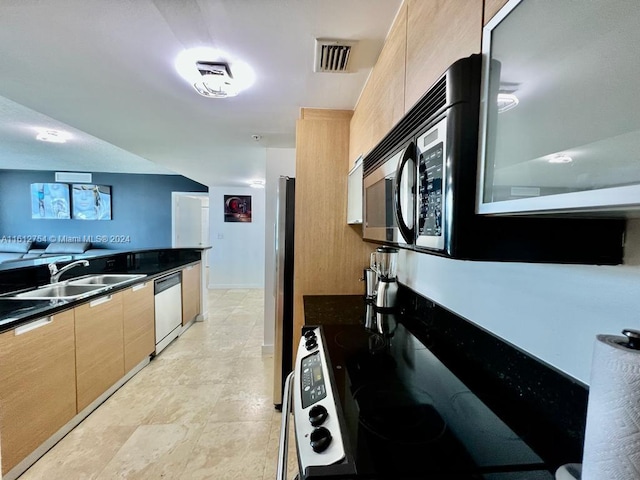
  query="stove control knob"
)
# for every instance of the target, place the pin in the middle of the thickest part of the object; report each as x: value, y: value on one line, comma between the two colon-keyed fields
x: 320, y: 439
x: 311, y: 343
x: 309, y: 334
x: 317, y: 415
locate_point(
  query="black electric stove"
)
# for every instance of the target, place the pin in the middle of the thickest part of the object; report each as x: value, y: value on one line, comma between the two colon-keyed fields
x: 401, y: 413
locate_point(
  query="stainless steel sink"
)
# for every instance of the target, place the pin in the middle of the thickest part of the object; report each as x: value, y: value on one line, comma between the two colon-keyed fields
x: 60, y: 291
x: 104, y: 279
x: 77, y: 288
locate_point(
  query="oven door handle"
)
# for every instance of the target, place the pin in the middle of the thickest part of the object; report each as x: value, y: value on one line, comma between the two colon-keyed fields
x: 283, y: 448
x: 407, y: 232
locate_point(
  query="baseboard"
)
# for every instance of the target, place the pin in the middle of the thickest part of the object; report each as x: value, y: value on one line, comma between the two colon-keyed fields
x: 230, y: 286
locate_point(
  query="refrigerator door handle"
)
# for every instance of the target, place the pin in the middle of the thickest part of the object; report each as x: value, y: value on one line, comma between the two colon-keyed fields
x: 275, y: 239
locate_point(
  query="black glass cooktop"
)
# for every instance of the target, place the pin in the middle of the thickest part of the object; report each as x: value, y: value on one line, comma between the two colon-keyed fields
x: 408, y: 417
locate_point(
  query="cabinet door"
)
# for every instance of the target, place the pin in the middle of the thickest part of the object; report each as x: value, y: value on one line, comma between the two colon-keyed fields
x: 139, y: 324
x: 190, y: 293
x: 491, y: 7
x: 354, y: 195
x: 381, y: 103
x: 439, y: 33
x: 37, y: 384
x: 99, y: 347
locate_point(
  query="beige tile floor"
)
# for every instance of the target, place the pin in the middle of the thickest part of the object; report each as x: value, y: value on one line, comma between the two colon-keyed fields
x: 202, y: 409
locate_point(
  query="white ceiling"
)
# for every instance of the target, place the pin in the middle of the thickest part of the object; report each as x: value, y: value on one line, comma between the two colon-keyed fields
x: 104, y: 70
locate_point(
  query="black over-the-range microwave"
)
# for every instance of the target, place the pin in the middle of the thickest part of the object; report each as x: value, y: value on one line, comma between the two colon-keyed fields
x: 420, y: 181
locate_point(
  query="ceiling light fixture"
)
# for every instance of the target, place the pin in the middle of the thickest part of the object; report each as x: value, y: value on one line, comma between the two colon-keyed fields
x: 507, y: 101
x: 216, y: 81
x: 211, y: 75
x: 52, y: 136
x: 256, y: 183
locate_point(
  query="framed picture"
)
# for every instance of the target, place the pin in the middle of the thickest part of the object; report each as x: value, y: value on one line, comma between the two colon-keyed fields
x: 50, y: 200
x: 237, y: 208
x: 91, y: 202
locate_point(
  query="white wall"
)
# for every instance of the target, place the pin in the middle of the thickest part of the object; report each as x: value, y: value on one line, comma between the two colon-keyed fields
x: 236, y: 258
x: 549, y: 310
x: 280, y: 161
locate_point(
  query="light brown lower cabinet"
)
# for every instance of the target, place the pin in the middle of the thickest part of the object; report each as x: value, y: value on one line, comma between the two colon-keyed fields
x: 139, y: 324
x: 37, y: 384
x: 190, y: 293
x: 99, y: 347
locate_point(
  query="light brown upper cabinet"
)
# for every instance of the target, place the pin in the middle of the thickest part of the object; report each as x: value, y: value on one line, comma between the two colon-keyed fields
x: 37, y: 384
x: 439, y: 32
x: 381, y: 104
x: 491, y: 7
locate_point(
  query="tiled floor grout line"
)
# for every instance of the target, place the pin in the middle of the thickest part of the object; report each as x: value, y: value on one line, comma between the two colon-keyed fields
x: 200, y: 455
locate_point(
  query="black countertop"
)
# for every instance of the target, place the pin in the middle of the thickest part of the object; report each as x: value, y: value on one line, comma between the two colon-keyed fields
x: 152, y: 263
x: 542, y: 404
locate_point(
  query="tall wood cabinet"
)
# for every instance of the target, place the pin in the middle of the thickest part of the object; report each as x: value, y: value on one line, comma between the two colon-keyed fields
x: 138, y: 324
x: 99, y: 347
x: 38, y: 358
x: 329, y: 254
x: 191, y: 288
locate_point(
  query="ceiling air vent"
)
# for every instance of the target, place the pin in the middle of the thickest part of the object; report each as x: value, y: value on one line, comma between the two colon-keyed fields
x: 333, y: 56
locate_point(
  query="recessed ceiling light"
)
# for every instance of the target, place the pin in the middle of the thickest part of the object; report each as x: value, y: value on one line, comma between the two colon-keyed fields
x: 53, y: 136
x: 211, y: 73
x: 256, y: 183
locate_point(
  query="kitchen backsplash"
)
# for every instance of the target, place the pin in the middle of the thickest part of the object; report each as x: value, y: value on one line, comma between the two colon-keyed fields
x: 541, y: 404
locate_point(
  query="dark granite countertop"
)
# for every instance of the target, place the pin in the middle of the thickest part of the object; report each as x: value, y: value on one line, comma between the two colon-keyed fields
x: 533, y: 398
x: 333, y: 309
x: 152, y: 263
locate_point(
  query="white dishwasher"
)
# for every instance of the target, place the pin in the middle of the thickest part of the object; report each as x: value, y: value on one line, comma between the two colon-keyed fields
x: 168, y: 303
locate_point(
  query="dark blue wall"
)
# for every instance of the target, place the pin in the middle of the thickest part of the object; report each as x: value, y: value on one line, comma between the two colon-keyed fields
x: 141, y: 209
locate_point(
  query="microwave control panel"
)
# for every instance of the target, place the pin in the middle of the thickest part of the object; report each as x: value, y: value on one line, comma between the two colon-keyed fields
x: 430, y: 182
x: 432, y: 174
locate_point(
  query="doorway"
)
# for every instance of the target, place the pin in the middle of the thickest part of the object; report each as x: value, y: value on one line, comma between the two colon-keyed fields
x: 190, y: 219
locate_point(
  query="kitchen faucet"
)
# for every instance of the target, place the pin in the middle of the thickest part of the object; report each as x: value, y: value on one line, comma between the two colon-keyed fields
x: 55, y: 273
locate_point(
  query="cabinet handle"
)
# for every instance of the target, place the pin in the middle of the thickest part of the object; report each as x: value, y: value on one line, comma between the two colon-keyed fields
x: 140, y: 286
x: 41, y: 322
x: 100, y: 301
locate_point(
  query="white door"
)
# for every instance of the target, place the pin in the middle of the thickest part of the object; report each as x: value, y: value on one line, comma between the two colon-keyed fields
x: 190, y: 229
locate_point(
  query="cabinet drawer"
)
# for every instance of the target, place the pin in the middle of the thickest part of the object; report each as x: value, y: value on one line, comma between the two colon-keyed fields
x: 37, y: 384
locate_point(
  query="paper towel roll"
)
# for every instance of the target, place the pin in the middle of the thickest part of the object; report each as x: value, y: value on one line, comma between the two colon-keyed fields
x: 612, y: 438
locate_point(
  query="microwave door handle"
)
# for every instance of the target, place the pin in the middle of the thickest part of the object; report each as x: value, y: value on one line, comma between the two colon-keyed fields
x: 408, y: 233
x: 283, y: 448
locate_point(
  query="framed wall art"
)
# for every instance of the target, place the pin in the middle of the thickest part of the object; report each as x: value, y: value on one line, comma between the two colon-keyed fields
x: 91, y: 202
x: 237, y: 208
x: 50, y: 200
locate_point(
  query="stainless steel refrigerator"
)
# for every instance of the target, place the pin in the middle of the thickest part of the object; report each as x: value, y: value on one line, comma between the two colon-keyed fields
x: 284, y: 242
